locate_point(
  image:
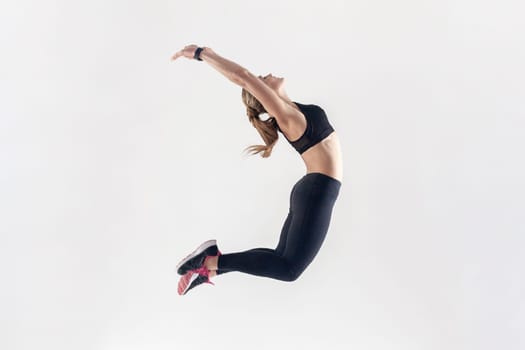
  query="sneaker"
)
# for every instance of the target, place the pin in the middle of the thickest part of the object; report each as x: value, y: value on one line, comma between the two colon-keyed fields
x: 192, y: 279
x: 196, y: 259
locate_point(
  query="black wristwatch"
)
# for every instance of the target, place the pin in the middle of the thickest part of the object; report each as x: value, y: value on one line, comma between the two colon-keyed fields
x: 198, y: 53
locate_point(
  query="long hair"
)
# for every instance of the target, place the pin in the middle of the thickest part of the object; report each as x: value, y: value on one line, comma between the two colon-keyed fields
x: 266, y: 128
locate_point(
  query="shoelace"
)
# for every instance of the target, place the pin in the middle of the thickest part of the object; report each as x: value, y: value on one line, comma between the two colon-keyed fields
x: 203, y: 271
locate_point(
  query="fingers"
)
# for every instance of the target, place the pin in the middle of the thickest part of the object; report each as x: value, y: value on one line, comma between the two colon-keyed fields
x: 177, y: 55
x: 187, y: 48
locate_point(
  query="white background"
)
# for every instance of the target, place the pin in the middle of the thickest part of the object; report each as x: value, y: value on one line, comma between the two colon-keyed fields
x: 116, y: 163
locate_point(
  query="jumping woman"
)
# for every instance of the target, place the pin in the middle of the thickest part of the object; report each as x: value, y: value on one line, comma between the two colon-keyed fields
x: 312, y: 198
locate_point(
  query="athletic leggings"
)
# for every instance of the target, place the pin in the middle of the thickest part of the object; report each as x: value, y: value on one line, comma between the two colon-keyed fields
x: 311, y: 202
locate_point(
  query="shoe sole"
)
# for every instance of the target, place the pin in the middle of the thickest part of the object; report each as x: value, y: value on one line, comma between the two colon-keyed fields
x: 186, y: 281
x: 196, y: 252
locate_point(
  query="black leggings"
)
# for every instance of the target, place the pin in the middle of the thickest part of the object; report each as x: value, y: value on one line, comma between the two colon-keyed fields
x: 311, y: 202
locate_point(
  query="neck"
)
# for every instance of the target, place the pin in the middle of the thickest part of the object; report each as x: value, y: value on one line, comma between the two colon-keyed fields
x: 284, y: 96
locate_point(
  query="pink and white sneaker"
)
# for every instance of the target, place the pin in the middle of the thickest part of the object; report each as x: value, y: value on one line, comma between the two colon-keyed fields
x: 192, y: 279
x: 195, y: 260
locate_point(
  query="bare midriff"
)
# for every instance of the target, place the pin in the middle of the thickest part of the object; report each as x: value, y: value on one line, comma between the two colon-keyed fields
x: 325, y: 157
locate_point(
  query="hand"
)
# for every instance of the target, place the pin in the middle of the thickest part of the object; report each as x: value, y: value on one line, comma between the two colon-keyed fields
x: 188, y: 52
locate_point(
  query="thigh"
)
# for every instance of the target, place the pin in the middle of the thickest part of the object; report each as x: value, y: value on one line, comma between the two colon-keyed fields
x: 286, y: 226
x: 313, y: 203
x: 284, y: 234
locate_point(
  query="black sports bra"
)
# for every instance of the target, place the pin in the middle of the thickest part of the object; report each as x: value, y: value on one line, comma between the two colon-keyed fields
x: 317, y: 127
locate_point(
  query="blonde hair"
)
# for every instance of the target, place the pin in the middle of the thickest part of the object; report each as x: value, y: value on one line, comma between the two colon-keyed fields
x: 266, y: 128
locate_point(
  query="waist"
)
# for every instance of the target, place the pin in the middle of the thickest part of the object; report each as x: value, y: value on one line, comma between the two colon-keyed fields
x: 325, y: 183
x: 325, y: 157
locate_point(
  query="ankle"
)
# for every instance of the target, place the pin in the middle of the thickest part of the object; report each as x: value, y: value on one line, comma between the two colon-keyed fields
x: 211, y: 262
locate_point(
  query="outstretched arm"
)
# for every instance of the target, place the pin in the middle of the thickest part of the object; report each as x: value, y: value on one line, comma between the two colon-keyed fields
x: 229, y: 69
x: 272, y: 102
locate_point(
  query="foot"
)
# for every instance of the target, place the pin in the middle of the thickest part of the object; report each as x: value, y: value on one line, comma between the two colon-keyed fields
x: 192, y: 279
x: 196, y: 259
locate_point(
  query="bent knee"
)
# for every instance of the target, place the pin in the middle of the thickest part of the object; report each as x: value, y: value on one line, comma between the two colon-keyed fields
x: 292, y: 274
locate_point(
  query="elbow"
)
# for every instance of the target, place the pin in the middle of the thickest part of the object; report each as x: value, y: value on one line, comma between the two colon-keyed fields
x: 240, y: 77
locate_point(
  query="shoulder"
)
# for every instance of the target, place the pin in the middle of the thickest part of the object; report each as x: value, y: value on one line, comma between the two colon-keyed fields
x: 297, y: 122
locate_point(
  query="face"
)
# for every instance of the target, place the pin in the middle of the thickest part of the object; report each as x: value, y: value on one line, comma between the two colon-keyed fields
x: 273, y: 82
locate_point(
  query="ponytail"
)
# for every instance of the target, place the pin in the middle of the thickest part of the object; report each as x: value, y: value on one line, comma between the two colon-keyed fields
x: 266, y: 128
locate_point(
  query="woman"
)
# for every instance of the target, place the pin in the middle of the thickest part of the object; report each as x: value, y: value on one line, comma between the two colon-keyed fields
x: 312, y: 198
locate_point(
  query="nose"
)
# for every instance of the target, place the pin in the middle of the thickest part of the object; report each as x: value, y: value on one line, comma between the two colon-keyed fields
x: 269, y: 75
